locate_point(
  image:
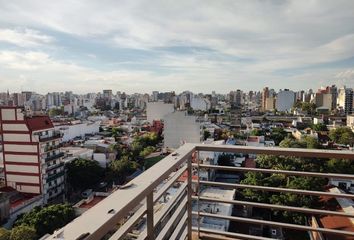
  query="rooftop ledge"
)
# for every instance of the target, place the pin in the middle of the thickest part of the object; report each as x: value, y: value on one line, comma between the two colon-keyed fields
x: 100, y: 219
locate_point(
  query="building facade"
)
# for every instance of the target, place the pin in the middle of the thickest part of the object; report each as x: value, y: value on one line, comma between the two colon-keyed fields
x: 32, y: 157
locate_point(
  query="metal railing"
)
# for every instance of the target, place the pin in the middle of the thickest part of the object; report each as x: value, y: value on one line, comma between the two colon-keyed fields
x: 55, y: 156
x: 139, y: 209
x: 46, y: 138
x: 55, y: 166
x: 55, y: 176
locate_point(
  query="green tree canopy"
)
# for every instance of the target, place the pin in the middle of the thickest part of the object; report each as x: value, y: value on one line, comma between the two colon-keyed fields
x: 4, y: 234
x: 83, y: 173
x: 319, y: 127
x: 342, y: 135
x: 23, y: 232
x: 256, y: 132
x: 46, y: 220
x: 120, y: 169
x: 278, y: 135
x: 206, y: 134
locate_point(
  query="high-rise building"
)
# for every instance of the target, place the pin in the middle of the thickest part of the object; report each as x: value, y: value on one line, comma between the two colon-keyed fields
x: 345, y: 100
x: 181, y: 128
x: 31, y: 154
x: 107, y: 94
x: 265, y: 95
x: 285, y: 100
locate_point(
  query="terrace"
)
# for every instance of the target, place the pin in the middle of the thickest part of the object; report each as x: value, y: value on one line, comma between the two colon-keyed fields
x: 142, y: 201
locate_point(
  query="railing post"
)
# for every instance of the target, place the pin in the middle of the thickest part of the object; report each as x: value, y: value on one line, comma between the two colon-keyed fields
x: 150, y: 216
x: 189, y: 203
x: 198, y: 203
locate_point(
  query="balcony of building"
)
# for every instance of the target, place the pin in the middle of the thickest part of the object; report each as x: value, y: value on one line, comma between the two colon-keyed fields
x: 54, y: 166
x: 172, y: 200
x: 54, y: 156
x: 50, y: 137
x: 54, y: 176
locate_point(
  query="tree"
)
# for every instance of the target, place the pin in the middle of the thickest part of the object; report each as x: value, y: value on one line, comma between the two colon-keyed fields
x: 285, y: 181
x: 206, y: 134
x: 319, y: 127
x: 278, y: 135
x: 4, y: 234
x: 292, y: 143
x: 342, y: 135
x: 344, y: 166
x: 256, y: 132
x: 56, y: 111
x: 83, y: 173
x: 120, y: 169
x: 46, y: 220
x: 311, y: 142
x: 23, y: 232
x: 147, y: 151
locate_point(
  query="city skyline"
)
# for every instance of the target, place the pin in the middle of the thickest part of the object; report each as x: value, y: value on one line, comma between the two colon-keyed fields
x: 200, y: 46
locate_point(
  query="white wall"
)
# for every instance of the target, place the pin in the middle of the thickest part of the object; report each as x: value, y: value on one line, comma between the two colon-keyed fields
x: 158, y: 110
x: 78, y: 130
x: 180, y: 128
x: 285, y: 100
x: 101, y: 159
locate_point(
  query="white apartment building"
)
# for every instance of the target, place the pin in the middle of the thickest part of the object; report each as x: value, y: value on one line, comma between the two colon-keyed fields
x: 350, y: 121
x: 73, y: 129
x: 31, y: 153
x: 180, y: 128
x: 158, y: 110
x: 199, y: 103
x: 345, y: 99
x: 285, y: 100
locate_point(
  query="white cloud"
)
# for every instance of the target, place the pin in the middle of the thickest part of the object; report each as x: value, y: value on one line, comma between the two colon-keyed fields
x: 24, y: 38
x: 274, y: 35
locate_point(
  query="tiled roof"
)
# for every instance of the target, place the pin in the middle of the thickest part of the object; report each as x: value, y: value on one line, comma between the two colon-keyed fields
x: 36, y: 123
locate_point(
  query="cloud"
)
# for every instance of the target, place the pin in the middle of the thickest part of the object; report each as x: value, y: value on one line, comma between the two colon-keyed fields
x: 24, y: 38
x: 248, y: 42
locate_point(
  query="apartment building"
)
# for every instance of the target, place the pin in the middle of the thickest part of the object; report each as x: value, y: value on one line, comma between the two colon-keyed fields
x: 32, y: 157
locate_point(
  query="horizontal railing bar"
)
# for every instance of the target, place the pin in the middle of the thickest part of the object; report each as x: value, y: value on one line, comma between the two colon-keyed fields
x: 181, y: 225
x: 214, y: 232
x: 276, y: 171
x: 184, y: 234
x: 276, y: 224
x: 128, y: 225
x: 277, y: 151
x: 97, y: 222
x: 275, y: 189
x: 160, y: 215
x: 277, y: 207
x: 169, y: 183
x: 172, y: 220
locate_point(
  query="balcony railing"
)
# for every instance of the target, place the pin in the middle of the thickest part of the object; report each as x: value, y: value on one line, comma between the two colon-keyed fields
x: 55, y: 166
x: 51, y: 148
x: 46, y: 138
x: 55, y: 156
x: 142, y: 202
x: 55, y: 176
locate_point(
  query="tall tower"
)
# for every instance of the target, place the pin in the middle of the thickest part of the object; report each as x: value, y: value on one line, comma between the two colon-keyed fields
x: 265, y: 95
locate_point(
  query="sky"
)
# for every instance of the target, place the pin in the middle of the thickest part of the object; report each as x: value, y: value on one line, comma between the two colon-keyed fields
x: 164, y: 45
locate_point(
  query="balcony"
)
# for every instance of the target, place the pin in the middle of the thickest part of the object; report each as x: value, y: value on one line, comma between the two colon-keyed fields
x: 55, y: 166
x: 47, y: 138
x: 137, y: 205
x: 55, y: 156
x: 51, y: 148
x: 55, y: 176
